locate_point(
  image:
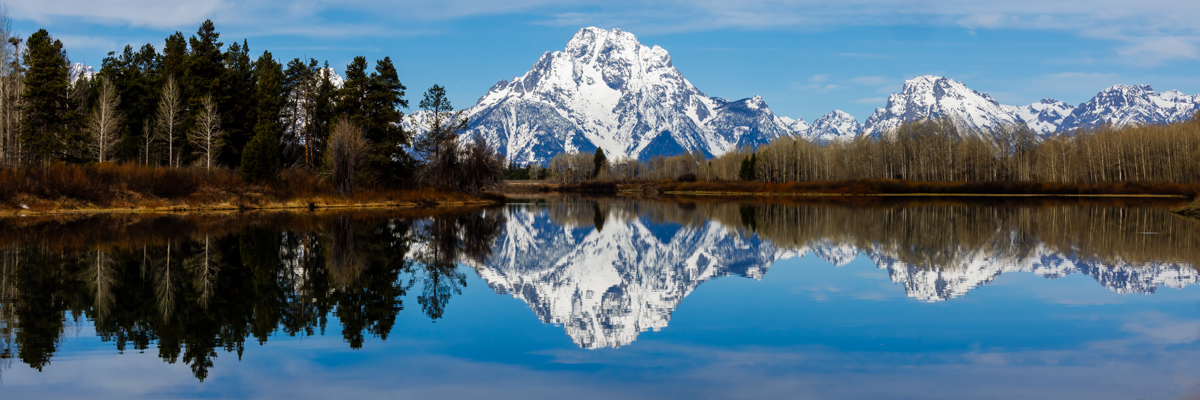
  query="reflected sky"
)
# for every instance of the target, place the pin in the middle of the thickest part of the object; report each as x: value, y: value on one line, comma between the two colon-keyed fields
x: 805, y: 323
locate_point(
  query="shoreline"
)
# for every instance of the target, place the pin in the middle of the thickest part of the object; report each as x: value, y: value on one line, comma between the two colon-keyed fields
x: 226, y: 207
x: 872, y: 188
x: 522, y: 189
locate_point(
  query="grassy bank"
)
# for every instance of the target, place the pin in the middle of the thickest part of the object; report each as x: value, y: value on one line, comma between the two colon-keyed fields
x: 64, y: 188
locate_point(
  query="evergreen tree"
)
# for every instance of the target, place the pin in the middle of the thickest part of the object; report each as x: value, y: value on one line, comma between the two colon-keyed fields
x: 174, y: 57
x: 261, y: 158
x: 132, y: 75
x: 599, y: 161
x: 237, y: 103
x: 748, y: 172
x: 373, y: 102
x: 46, y: 108
x: 204, y: 71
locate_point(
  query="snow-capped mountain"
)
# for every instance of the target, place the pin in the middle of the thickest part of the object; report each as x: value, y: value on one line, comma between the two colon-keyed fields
x: 606, y: 90
x: 934, y: 96
x: 1122, y: 105
x: 1043, y: 117
x: 80, y: 71
x: 798, y: 126
x: 333, y: 77
x: 606, y: 286
x: 835, y: 126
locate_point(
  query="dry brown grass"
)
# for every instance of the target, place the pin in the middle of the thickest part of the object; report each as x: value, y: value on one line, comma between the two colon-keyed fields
x: 111, y: 186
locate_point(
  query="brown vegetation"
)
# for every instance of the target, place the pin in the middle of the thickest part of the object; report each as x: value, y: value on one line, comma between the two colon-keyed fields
x: 1190, y: 210
x: 108, y: 186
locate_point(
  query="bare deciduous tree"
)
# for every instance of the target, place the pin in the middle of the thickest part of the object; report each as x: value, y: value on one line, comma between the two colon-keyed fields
x: 106, y: 119
x: 347, y: 151
x: 170, y: 110
x: 9, y: 80
x: 207, y: 134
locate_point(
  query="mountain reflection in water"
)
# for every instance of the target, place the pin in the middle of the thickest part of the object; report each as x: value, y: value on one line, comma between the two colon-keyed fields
x: 612, y: 270
x: 605, y: 269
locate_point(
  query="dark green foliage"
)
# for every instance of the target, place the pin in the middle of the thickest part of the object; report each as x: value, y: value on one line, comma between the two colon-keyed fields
x: 373, y: 102
x: 45, y: 130
x: 514, y: 173
x: 261, y: 157
x: 748, y: 170
x: 237, y: 103
x: 135, y: 78
x: 600, y: 161
x: 174, y: 56
x: 308, y: 115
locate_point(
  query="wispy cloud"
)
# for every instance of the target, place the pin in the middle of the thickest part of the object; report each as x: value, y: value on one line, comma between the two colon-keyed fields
x: 1151, y: 31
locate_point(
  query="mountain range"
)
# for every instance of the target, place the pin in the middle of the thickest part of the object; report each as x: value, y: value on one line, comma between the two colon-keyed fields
x: 606, y: 284
x: 607, y: 90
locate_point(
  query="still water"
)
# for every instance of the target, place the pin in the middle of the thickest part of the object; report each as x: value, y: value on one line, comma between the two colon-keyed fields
x: 603, y: 298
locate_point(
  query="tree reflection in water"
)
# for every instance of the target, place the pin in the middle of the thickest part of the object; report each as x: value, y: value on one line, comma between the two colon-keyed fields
x: 606, y: 269
x: 190, y: 287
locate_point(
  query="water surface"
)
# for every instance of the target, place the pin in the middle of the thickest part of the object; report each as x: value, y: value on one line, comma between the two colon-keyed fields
x: 595, y: 298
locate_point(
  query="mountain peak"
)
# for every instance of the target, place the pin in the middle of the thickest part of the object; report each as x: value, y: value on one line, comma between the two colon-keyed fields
x: 931, y: 96
x: 80, y: 71
x: 607, y: 90
x: 1122, y: 105
x: 835, y: 126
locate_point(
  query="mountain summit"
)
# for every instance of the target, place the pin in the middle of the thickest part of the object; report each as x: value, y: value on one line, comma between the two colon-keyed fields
x: 607, y: 90
x: 934, y: 96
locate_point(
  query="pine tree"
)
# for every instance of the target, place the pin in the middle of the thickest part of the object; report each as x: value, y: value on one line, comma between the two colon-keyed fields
x: 46, y: 107
x: 373, y: 102
x: 599, y: 160
x: 237, y: 103
x: 261, y: 158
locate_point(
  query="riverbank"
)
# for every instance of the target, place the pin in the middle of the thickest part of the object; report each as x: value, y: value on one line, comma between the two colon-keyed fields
x: 857, y: 188
x: 91, y: 189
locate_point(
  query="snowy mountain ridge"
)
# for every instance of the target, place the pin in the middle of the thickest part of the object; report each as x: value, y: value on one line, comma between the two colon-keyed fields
x: 606, y: 90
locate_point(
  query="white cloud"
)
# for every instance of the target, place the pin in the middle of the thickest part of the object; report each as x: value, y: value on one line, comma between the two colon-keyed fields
x: 1150, y: 30
x: 1151, y: 51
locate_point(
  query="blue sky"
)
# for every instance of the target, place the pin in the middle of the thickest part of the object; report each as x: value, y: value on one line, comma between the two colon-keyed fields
x: 805, y: 58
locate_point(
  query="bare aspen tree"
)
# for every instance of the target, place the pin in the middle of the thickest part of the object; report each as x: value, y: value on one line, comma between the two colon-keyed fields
x: 207, y: 134
x: 106, y: 119
x: 8, y: 82
x: 148, y: 139
x: 347, y: 151
x: 170, y: 110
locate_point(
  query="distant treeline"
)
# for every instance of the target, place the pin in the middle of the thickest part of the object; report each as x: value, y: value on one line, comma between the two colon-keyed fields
x: 198, y: 102
x: 933, y: 150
